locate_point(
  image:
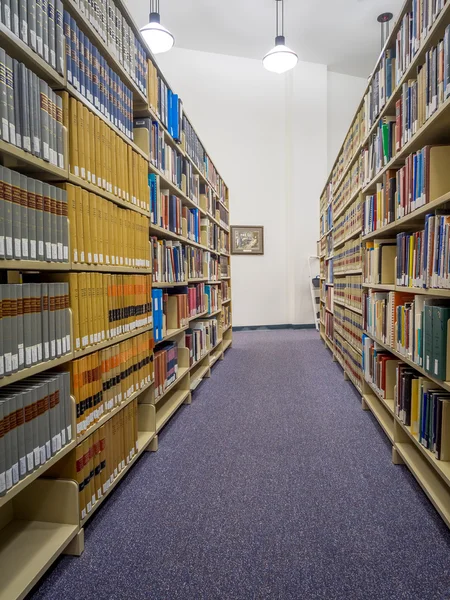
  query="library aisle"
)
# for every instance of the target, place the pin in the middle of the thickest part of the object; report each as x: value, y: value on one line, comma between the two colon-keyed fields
x: 272, y: 484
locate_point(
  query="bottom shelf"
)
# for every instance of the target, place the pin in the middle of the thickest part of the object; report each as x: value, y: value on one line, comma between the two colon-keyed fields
x: 429, y: 481
x: 198, y: 374
x: 227, y: 344
x: 27, y: 550
x: 383, y: 417
x: 169, y: 406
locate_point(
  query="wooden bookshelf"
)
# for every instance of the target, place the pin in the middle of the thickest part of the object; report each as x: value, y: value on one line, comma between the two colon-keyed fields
x: 343, y: 190
x: 39, y: 516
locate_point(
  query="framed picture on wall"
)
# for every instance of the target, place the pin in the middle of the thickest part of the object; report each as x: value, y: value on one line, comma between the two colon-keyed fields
x: 247, y: 239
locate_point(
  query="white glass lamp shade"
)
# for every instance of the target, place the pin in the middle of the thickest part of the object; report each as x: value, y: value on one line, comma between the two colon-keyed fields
x: 157, y: 37
x: 280, y: 59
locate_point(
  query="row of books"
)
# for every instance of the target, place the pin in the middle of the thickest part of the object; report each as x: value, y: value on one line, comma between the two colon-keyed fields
x: 226, y: 316
x: 109, y: 22
x: 328, y: 271
x: 102, y: 456
x: 349, y: 325
x: 174, y: 262
x: 101, y: 157
x: 413, y: 30
x: 201, y: 338
x: 211, y: 235
x: 224, y: 267
x: 379, y: 262
x: 103, y: 380
x: 33, y: 219
x: 329, y: 297
x: 421, y: 406
x: 214, y: 298
x: 166, y: 367
x: 348, y: 257
x: 105, y: 306
x: 30, y: 112
x: 348, y: 289
x: 224, y: 241
x: 39, y: 26
x: 413, y: 325
x: 89, y: 73
x: 102, y: 233
x: 225, y: 289
x: 348, y: 222
x: 420, y: 99
x: 167, y: 211
x: 35, y: 423
x: 34, y: 324
x: 329, y: 322
x: 352, y: 144
x: 353, y: 363
x: 351, y: 183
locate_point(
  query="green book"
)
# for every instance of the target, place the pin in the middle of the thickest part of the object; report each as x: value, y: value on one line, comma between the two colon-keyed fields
x: 441, y: 315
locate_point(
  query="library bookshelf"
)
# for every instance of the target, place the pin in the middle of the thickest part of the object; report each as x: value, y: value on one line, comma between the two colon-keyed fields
x: 81, y: 276
x: 383, y: 248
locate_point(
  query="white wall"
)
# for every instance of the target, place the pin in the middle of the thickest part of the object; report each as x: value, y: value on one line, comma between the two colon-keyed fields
x: 268, y: 136
x: 344, y: 95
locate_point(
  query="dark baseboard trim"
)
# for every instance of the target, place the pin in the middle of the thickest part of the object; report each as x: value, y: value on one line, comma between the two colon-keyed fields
x: 266, y: 327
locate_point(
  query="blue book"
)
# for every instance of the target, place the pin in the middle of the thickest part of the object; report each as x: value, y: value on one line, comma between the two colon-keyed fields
x: 81, y: 63
x: 175, y: 117
x: 67, y: 44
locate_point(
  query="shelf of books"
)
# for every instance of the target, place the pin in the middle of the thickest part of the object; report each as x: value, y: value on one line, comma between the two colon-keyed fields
x: 387, y: 201
x: 115, y: 291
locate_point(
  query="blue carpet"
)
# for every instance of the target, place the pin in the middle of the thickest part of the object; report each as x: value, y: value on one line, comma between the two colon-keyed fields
x: 273, y: 484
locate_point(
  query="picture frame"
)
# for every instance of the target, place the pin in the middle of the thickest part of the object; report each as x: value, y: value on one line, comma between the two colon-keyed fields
x: 247, y: 239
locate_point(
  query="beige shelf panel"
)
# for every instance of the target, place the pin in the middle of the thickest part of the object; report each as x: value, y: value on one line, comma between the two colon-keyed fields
x: 16, y: 158
x: 104, y: 194
x: 33, y: 265
x: 344, y: 273
x: 111, y: 269
x: 166, y: 409
x: 442, y: 467
x: 433, y: 486
x: 227, y: 344
x: 203, y: 314
x: 171, y: 333
x: 445, y: 293
x: 164, y: 233
x: 29, y: 372
x: 198, y: 374
x: 411, y: 221
x: 111, y: 342
x: 385, y: 420
x: 35, y: 529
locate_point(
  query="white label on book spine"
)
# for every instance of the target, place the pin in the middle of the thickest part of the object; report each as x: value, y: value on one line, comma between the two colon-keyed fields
x: 8, y: 362
x: 30, y: 461
x: 15, y: 361
x: 37, y: 457
x: 46, y: 151
x: 68, y: 342
x: 21, y: 354
x: 2, y: 245
x: 15, y: 473
x: 58, y: 442
x: 34, y: 354
x: 48, y: 450
x: 53, y: 347
x: 46, y: 350
x: 33, y: 248
x: 17, y: 248
x: 16, y: 24
x: 36, y: 144
x: 55, y: 251
x: 63, y: 437
x: 27, y: 143
x: 69, y: 433
x: 8, y: 476
x: 42, y: 455
x: 48, y: 250
x: 24, y: 248
x: 5, y: 130
x: 9, y: 245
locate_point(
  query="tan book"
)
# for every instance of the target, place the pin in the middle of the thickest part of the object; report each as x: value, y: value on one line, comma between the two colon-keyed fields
x: 100, y: 234
x: 98, y: 152
x: 86, y: 216
x: 81, y: 111
x: 72, y: 216
x: 93, y: 223
x: 87, y: 143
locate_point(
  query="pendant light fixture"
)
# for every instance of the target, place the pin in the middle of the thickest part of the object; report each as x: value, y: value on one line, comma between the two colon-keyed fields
x: 157, y: 37
x: 280, y: 59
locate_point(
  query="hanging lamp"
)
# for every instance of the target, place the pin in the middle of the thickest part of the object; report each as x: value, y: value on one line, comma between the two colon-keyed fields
x: 281, y: 58
x: 157, y: 37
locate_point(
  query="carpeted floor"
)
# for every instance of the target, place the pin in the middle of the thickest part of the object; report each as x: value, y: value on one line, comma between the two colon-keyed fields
x: 273, y: 484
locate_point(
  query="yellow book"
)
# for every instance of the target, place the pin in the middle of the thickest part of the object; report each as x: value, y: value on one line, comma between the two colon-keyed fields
x: 79, y: 221
x: 92, y: 148
x: 81, y: 110
x: 98, y: 152
x: 93, y: 224
x: 105, y: 220
x: 73, y: 139
x: 416, y: 384
x: 87, y: 227
x: 90, y: 308
x: 100, y: 233
x: 87, y: 143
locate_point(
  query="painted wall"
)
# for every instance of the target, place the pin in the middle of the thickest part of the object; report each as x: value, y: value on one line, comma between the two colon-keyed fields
x: 344, y: 93
x: 268, y: 136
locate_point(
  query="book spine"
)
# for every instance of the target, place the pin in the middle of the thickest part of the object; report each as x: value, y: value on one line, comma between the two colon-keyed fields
x: 39, y: 27
x: 15, y: 21
x: 44, y: 110
x: 39, y: 202
x: 16, y: 215
x: 45, y: 35
x: 20, y: 329
x: 10, y: 99
x: 31, y: 16
x: 47, y: 222
x: 45, y: 312
x: 3, y: 97
x: 23, y: 21
x: 59, y: 221
x: 17, y: 107
x: 24, y: 226
x: 2, y: 217
x: 51, y: 32
x: 25, y: 112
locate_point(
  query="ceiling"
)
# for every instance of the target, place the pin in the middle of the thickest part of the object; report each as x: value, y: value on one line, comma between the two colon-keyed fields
x: 343, y: 34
